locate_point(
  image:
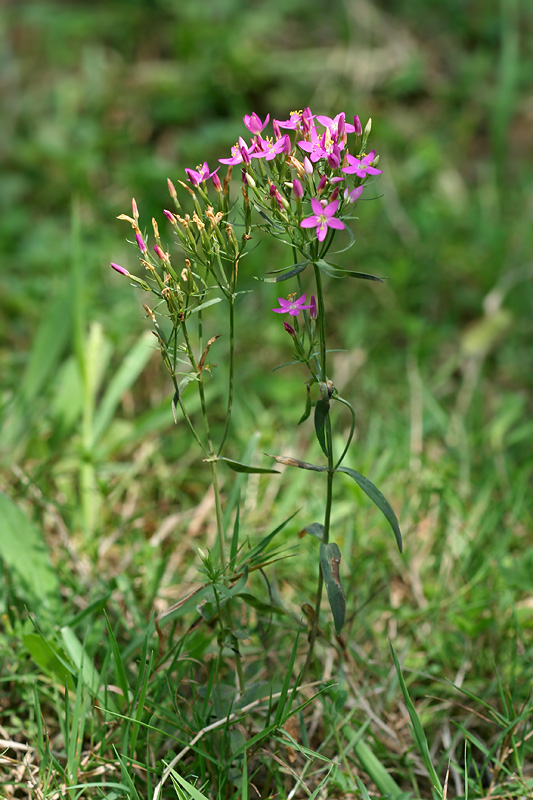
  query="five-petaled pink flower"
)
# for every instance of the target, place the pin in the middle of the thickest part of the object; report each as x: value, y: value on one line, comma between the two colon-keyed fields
x: 291, y: 306
x: 361, y: 166
x: 253, y: 122
x: 267, y: 149
x: 323, y: 218
x: 239, y: 152
x: 196, y: 177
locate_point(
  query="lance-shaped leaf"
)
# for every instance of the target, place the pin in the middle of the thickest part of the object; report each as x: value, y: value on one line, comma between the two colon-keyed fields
x: 330, y: 559
x: 286, y: 275
x: 378, y: 498
x: 308, y: 405
x: 236, y: 466
x: 339, y: 272
x: 321, y: 412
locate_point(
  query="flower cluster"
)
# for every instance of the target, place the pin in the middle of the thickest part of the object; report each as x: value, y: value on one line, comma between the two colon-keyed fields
x: 303, y: 181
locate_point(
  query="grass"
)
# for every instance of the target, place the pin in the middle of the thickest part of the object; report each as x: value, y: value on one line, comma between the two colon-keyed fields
x: 104, y: 505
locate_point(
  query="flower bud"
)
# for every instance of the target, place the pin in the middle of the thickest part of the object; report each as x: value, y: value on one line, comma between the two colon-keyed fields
x: 368, y: 127
x: 308, y: 167
x: 313, y: 313
x: 134, y: 209
x: 172, y: 189
x: 275, y: 128
x: 169, y: 215
x: 297, y: 189
x: 159, y: 253
x: 140, y: 243
x: 357, y: 125
x: 247, y: 178
x: 120, y: 269
x: 216, y: 182
x: 322, y: 182
x: 290, y: 330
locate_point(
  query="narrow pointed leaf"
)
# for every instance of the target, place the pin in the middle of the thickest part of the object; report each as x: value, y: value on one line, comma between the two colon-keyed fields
x: 330, y: 559
x: 308, y: 406
x: 286, y: 275
x: 418, y: 731
x: 236, y: 466
x: 338, y: 272
x: 321, y: 412
x: 378, y: 498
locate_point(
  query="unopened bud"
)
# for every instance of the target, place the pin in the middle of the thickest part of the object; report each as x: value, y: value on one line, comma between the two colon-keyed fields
x: 368, y: 127
x: 313, y: 313
x: 357, y: 125
x: 140, y: 241
x: 172, y: 189
x: 297, y: 189
x: 134, y: 209
x: 247, y: 178
x: 322, y: 182
x: 120, y: 269
x: 290, y: 329
x: 308, y: 167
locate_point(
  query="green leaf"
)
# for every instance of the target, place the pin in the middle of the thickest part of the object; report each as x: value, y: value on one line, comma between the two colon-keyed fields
x: 201, y: 307
x: 378, y: 498
x: 236, y: 466
x: 181, y: 783
x: 314, y: 529
x: 308, y: 406
x: 330, y: 559
x: 50, y: 660
x: 418, y: 731
x: 285, y: 277
x: 339, y: 272
x: 25, y: 555
x: 321, y: 412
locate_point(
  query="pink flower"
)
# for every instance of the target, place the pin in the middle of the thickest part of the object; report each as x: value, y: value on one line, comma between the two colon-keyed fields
x: 291, y: 306
x: 253, y: 122
x: 353, y: 195
x: 239, y: 152
x: 196, y: 177
x: 269, y: 150
x: 361, y: 166
x: 292, y: 122
x: 325, y: 146
x: 337, y: 126
x: 323, y: 218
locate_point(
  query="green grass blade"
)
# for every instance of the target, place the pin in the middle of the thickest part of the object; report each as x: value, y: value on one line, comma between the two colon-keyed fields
x: 418, y: 731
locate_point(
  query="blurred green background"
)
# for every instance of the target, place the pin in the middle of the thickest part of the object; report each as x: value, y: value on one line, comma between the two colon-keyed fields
x: 104, y: 100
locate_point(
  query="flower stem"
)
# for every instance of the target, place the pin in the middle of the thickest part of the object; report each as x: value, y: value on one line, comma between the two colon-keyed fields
x: 331, y: 471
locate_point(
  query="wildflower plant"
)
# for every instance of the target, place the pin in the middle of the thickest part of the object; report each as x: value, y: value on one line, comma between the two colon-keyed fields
x: 300, y: 186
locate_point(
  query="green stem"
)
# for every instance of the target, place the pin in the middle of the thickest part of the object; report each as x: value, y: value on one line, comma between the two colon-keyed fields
x: 331, y: 470
x: 231, y: 368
